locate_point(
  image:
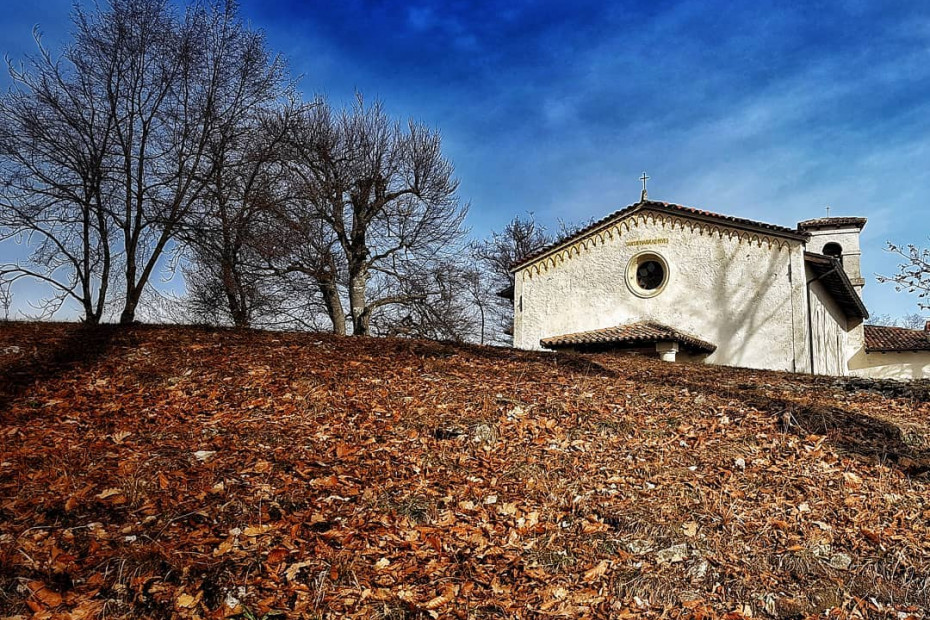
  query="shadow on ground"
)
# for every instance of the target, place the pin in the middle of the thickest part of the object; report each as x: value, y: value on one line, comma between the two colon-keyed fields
x: 76, y: 346
x: 573, y: 362
x: 851, y: 432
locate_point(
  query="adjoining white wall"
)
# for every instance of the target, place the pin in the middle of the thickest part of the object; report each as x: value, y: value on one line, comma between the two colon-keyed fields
x: 828, y: 330
x: 855, y: 341
x: 742, y: 292
x: 899, y: 365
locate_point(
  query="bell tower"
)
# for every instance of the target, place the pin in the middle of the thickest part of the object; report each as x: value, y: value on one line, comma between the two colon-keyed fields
x: 838, y: 237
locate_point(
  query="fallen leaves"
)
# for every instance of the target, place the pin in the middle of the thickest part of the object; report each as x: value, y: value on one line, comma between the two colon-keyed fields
x: 200, y: 473
x: 108, y: 493
x: 44, y: 595
x: 597, y: 572
x: 448, y: 595
x: 256, y: 530
x: 186, y: 601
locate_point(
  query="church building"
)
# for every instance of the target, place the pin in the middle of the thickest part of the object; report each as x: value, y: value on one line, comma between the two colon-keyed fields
x: 680, y: 283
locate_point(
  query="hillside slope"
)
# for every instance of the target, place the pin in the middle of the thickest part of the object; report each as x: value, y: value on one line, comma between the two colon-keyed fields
x: 163, y: 471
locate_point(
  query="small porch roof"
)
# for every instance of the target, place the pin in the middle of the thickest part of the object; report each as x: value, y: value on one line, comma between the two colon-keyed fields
x: 631, y: 334
x: 830, y: 272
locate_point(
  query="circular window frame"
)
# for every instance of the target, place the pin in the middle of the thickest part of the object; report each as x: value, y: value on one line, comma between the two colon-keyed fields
x: 633, y: 265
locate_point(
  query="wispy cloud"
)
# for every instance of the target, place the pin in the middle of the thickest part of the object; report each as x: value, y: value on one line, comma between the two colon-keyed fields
x: 770, y: 109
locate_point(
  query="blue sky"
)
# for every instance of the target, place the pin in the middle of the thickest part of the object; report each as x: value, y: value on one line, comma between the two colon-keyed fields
x: 765, y: 110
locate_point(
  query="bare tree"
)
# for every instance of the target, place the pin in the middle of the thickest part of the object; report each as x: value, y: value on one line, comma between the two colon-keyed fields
x: 110, y: 147
x: 913, y: 274
x: 304, y: 253
x: 482, y: 295
x: 913, y: 321
x: 881, y: 320
x: 244, y: 184
x: 908, y: 321
x: 521, y: 237
x: 55, y: 136
x: 170, y: 83
x: 379, y: 205
x: 439, y: 306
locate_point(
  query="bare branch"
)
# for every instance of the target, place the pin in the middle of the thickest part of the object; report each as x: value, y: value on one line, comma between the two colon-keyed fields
x: 913, y: 274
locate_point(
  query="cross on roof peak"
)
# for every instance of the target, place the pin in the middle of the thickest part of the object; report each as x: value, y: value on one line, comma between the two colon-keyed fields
x: 644, y: 196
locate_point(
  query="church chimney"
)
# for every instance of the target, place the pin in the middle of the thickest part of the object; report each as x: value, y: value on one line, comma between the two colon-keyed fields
x: 838, y: 237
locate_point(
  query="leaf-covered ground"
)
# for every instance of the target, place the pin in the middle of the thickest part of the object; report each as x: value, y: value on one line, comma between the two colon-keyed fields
x: 165, y: 471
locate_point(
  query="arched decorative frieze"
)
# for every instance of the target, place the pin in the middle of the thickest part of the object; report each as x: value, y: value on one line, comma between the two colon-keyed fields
x: 616, y: 230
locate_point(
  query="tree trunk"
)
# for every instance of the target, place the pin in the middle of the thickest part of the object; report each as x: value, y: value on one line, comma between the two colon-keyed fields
x: 235, y: 297
x: 358, y: 283
x: 337, y: 313
x: 128, y: 315
x: 237, y: 310
x: 240, y: 319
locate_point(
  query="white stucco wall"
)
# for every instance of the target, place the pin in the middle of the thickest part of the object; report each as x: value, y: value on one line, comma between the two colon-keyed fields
x: 731, y: 288
x: 903, y: 365
x: 848, y: 240
x: 855, y: 342
x: 828, y: 328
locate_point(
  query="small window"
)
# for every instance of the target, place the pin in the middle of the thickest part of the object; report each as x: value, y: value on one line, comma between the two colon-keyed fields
x: 647, y: 274
x: 834, y: 249
x: 650, y: 275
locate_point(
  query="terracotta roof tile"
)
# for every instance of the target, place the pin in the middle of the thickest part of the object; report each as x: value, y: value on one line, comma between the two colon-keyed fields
x: 665, y: 207
x: 881, y: 339
x: 832, y: 222
x: 643, y: 332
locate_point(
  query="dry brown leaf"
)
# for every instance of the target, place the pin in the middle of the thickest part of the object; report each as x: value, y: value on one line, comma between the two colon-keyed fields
x: 108, y: 493
x: 447, y: 596
x: 43, y: 593
x: 597, y: 572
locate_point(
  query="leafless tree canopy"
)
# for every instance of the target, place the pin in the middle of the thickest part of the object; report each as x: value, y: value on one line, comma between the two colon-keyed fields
x: 521, y: 237
x: 908, y: 321
x: 913, y: 273
x: 245, y: 183
x: 375, y: 209
x: 166, y: 137
x: 105, y: 152
x: 56, y: 136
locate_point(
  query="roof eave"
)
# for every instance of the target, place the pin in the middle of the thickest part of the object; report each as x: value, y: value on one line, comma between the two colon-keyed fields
x: 599, y: 338
x: 860, y: 311
x: 833, y: 223
x: 891, y: 339
x: 896, y: 350
x: 584, y: 232
x: 661, y: 208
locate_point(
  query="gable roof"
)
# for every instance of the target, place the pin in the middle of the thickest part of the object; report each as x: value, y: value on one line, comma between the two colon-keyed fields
x: 829, y: 271
x: 881, y: 339
x: 642, y: 332
x: 670, y: 208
